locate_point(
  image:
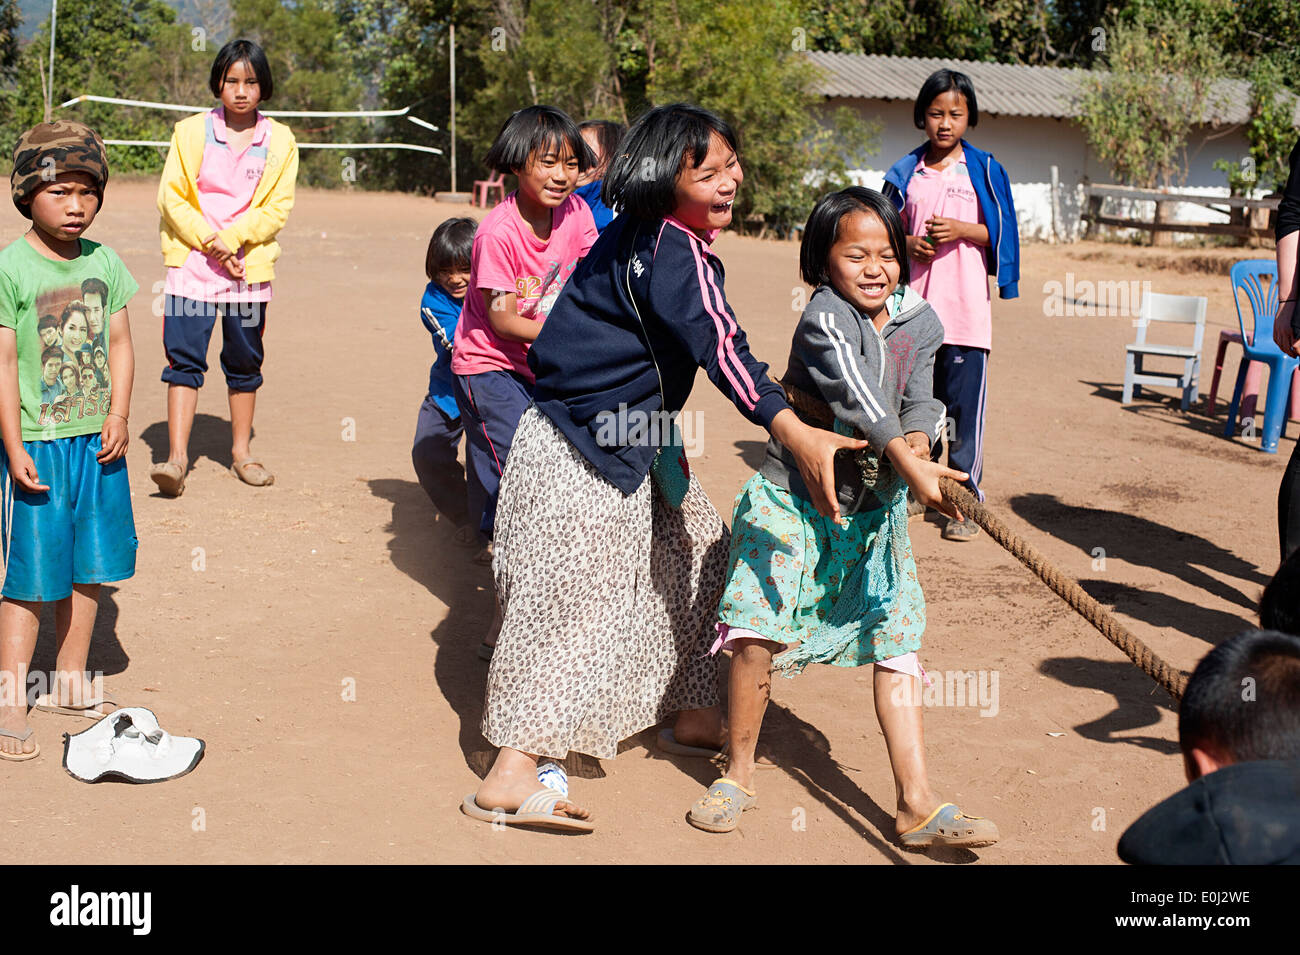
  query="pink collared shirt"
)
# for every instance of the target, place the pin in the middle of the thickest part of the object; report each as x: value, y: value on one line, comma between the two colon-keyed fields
x: 956, y: 281
x: 226, y: 181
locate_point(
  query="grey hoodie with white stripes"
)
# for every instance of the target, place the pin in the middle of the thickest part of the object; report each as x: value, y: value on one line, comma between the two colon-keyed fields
x: 881, y: 383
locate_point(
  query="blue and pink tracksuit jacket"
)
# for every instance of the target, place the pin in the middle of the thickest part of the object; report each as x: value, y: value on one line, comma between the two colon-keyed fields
x: 647, y: 292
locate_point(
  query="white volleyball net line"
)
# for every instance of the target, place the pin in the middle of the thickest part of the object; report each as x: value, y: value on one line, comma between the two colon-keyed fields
x: 292, y: 113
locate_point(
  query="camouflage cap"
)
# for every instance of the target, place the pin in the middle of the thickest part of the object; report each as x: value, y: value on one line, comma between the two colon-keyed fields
x: 48, y: 150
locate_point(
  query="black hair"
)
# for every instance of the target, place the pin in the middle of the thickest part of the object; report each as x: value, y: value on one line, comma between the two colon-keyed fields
x: 642, y: 178
x: 938, y: 83
x: 47, y: 321
x: 1243, y: 700
x: 608, y: 134
x: 1279, y: 608
x: 94, y: 286
x: 77, y: 306
x: 536, y: 130
x: 823, y: 228
x: 54, y: 351
x: 242, y: 51
x: 451, y: 247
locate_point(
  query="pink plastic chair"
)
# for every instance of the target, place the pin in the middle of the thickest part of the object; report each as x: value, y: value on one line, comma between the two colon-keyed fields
x: 1254, y: 375
x: 482, y: 188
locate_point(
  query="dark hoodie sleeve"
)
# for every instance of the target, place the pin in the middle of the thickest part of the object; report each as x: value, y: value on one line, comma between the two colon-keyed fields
x: 685, y: 292
x: 1288, y: 213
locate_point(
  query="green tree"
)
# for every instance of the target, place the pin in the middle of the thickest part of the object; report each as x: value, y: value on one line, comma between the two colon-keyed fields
x: 312, y: 71
x: 742, y: 58
x: 128, y: 48
x: 1138, y: 115
x: 1270, y: 131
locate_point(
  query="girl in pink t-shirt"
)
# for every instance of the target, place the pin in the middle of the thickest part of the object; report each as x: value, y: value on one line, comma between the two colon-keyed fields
x: 524, y: 251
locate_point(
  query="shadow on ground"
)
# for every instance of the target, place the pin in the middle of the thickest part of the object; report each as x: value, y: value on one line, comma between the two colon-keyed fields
x: 1138, y: 700
x: 421, y: 546
x: 107, y: 655
x: 752, y: 453
x: 1166, y: 407
x: 209, y: 438
x: 1145, y: 543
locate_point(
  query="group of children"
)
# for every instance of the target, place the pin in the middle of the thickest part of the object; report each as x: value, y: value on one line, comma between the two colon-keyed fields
x: 615, y: 593
x: 490, y: 290
x: 591, y: 291
x: 67, y: 362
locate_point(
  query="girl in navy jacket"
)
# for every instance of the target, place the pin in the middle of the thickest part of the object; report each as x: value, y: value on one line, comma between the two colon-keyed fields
x: 609, y: 580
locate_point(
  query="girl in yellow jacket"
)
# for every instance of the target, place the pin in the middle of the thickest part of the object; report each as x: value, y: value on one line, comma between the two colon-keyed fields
x: 226, y: 192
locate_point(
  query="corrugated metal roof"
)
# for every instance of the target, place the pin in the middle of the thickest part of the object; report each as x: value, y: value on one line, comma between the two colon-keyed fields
x: 1005, y: 89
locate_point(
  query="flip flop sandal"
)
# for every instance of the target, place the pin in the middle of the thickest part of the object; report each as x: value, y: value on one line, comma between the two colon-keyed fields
x: 128, y: 744
x: 240, y: 470
x: 21, y: 737
x: 537, y: 810
x: 949, y: 827
x: 169, y: 477
x: 963, y: 530
x: 667, y: 742
x: 90, y: 709
x: 719, y: 809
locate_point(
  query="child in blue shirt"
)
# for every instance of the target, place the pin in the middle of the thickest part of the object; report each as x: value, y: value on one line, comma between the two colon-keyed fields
x: 438, y: 429
x: 602, y: 136
x: 67, y: 524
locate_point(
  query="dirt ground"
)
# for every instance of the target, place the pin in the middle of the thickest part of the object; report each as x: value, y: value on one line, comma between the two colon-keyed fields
x: 255, y: 613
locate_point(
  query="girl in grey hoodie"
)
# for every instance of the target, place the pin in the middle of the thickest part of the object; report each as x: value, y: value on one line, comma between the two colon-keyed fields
x: 845, y: 592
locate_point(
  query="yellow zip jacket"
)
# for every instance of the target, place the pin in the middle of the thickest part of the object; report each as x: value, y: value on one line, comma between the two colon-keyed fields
x: 183, y: 227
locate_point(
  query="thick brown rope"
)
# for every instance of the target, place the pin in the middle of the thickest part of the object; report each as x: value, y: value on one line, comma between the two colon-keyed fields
x: 1146, y: 659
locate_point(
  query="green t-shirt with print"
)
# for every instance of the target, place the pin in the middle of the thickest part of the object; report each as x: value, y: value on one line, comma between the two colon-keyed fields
x: 59, y: 311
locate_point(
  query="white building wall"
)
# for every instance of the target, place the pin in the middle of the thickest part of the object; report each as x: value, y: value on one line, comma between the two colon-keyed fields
x: 1028, y: 147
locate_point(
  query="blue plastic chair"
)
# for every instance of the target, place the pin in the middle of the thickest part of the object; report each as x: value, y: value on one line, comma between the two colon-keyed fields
x: 1247, y: 277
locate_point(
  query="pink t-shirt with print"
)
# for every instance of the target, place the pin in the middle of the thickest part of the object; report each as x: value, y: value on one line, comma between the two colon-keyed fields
x: 509, y: 257
x: 956, y: 281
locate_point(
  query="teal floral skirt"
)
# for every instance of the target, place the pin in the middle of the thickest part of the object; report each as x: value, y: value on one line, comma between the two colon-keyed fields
x: 847, y: 592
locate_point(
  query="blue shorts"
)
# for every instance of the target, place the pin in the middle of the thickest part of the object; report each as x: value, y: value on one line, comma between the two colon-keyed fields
x: 80, y: 531
x: 187, y: 330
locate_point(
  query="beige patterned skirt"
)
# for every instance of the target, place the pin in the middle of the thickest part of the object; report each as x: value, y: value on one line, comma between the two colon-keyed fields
x: 609, y: 602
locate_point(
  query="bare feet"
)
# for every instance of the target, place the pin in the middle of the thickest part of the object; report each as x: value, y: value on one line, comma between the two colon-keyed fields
x: 512, y: 780
x: 700, y: 728
x: 14, y: 719
x: 75, y: 691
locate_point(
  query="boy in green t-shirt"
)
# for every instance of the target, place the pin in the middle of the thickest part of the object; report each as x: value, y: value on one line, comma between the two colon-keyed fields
x: 67, y: 524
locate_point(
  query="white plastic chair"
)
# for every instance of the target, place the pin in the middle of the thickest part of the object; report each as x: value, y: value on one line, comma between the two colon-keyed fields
x: 1175, y: 309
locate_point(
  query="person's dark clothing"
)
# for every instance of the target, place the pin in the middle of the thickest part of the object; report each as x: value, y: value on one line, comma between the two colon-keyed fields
x: 1243, y: 814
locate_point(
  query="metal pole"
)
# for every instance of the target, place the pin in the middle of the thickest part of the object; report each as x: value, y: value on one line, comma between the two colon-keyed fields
x: 453, y: 107
x: 54, y: 17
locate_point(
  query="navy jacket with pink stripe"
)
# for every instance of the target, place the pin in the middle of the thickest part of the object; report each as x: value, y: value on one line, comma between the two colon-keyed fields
x: 647, y: 293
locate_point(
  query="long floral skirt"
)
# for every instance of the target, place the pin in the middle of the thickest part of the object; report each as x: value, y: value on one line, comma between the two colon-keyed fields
x: 608, y: 602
